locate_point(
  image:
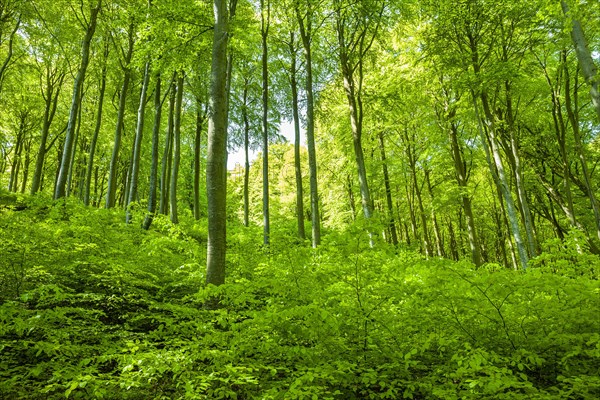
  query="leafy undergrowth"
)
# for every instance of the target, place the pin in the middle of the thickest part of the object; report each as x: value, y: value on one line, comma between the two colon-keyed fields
x: 92, y: 308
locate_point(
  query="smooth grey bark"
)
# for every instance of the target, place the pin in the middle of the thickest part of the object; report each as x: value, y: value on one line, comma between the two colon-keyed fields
x: 167, y: 160
x: 490, y: 145
x: 439, y: 245
x: 264, y: 30
x: 71, y: 164
x: 158, y: 102
x: 16, y: 161
x: 114, y: 159
x: 588, y: 67
x: 94, y: 141
x: 200, y: 117
x: 137, y: 144
x: 306, y: 33
x: 356, y: 32
x: 486, y: 125
x: 412, y: 161
x: 296, y: 117
x: 356, y: 119
x: 65, y: 163
x: 216, y: 168
x: 54, y: 80
x: 26, y: 162
x: 388, y: 192
x: 246, y: 152
x: 462, y: 180
x: 512, y: 152
x: 560, y: 130
x: 176, y: 149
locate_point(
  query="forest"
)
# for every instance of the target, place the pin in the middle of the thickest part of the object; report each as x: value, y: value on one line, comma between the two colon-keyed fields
x: 299, y: 199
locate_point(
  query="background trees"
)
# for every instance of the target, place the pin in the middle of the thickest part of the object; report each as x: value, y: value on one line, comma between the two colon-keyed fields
x: 469, y: 125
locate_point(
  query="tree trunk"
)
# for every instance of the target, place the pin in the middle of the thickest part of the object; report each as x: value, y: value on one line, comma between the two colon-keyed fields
x: 306, y: 35
x: 296, y: 117
x: 65, y: 163
x: 53, y: 85
x: 16, y: 162
x: 114, y: 160
x: 588, y: 68
x: 27, y: 148
x: 388, y: 192
x: 154, y: 165
x: 439, y: 245
x: 512, y: 152
x: 176, y: 148
x: 462, y: 180
x: 94, y: 142
x: 265, y: 121
x: 355, y: 107
x: 412, y: 160
x: 9, y: 55
x: 497, y: 169
x: 167, y: 160
x: 246, y: 155
x: 216, y: 167
x: 137, y: 144
x: 200, y: 116
x: 71, y: 164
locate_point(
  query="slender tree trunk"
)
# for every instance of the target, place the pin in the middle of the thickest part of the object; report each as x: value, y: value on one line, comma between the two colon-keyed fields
x: 27, y: 148
x: 410, y: 200
x: 14, y: 177
x: 412, y: 160
x: 461, y: 178
x: 94, y: 142
x: 355, y: 107
x: 453, y: 243
x: 176, y: 148
x: 154, y: 165
x: 439, y: 245
x: 9, y: 55
x: 265, y: 22
x: 114, y: 160
x: 388, y: 191
x: 296, y: 117
x: 71, y: 164
x: 498, y: 171
x: 65, y: 162
x: 246, y: 154
x: 137, y: 143
x: 168, y: 151
x: 16, y: 162
x: 126, y: 176
x: 512, y: 152
x: 216, y: 168
x: 306, y: 35
x: 50, y: 95
x: 588, y: 68
x: 200, y: 117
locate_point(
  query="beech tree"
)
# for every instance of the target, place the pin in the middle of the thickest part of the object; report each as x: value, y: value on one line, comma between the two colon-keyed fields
x: 216, y: 166
x: 356, y: 27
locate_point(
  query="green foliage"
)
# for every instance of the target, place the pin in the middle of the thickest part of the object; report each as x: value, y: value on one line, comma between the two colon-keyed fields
x: 92, y: 308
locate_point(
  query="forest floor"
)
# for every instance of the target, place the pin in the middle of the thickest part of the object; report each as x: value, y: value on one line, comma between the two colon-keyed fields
x: 92, y: 308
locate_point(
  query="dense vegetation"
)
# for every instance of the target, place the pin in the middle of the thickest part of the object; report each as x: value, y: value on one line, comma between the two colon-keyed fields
x: 94, y: 308
x: 427, y: 227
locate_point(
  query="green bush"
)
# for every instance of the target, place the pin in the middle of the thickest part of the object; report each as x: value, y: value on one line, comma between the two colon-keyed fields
x: 94, y: 308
